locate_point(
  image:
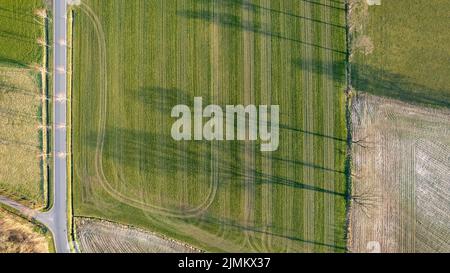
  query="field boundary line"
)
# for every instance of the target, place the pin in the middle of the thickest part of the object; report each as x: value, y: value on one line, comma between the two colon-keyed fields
x: 348, y: 117
x: 73, y: 243
x: 44, y: 118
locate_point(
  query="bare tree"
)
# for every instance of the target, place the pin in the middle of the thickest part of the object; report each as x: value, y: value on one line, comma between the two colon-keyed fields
x: 38, y: 68
x: 41, y: 41
x: 363, y: 142
x: 41, y: 13
x: 365, y: 200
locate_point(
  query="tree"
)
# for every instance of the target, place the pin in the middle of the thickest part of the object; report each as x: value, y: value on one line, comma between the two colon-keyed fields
x: 41, y: 41
x: 42, y: 13
x: 365, y: 200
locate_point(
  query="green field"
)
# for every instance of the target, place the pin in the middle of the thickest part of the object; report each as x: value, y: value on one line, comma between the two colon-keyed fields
x: 410, y: 58
x: 134, y: 60
x: 19, y: 30
x: 20, y: 147
x: 22, y: 112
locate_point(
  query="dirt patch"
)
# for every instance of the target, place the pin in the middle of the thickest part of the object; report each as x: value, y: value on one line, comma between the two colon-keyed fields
x: 401, y: 166
x: 74, y: 2
x: 364, y: 45
x: 96, y: 236
x: 374, y: 2
x: 19, y: 236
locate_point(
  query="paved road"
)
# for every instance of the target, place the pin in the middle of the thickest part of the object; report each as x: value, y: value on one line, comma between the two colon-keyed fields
x: 56, y: 218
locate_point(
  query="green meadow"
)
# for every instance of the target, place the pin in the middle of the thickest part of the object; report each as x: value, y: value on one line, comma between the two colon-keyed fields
x: 19, y: 30
x: 22, y: 113
x: 410, y: 56
x: 133, y: 61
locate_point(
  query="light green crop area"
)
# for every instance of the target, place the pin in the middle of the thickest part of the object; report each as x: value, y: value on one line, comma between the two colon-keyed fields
x: 410, y: 56
x: 22, y: 112
x: 135, y: 60
x: 20, y: 29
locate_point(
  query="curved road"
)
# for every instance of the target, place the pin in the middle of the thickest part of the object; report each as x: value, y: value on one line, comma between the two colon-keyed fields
x: 56, y: 218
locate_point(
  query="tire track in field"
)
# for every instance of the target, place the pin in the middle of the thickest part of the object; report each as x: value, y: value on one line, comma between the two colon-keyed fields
x: 216, y: 68
x: 182, y: 76
x: 160, y: 77
x: 286, y: 192
x: 102, y: 71
x: 308, y: 125
x: 140, y: 13
x: 266, y: 166
x: 249, y: 153
x: 101, y: 138
x: 328, y: 126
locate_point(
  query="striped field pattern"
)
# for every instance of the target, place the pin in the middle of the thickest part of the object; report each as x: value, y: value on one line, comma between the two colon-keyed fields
x: 135, y: 60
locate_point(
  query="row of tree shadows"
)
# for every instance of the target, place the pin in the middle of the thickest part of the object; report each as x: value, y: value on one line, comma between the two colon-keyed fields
x: 141, y: 149
x: 363, y: 77
x: 23, y: 17
x: 231, y: 20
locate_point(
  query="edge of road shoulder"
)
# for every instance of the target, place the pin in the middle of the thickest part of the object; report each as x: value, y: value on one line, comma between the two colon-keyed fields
x: 71, y: 226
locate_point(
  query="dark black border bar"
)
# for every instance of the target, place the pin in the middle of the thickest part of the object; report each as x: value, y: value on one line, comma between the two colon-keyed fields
x: 223, y: 262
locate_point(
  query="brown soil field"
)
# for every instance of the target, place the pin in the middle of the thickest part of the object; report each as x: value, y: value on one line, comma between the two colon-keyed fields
x: 401, y: 170
x: 20, y: 236
x: 97, y: 236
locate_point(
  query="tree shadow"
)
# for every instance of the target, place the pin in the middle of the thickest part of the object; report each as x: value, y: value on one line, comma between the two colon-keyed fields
x: 339, y: 4
x: 18, y: 16
x: 230, y: 20
x: 306, y: 164
x: 6, y: 88
x: 141, y: 151
x: 25, y: 145
x: 12, y: 62
x: 334, y: 70
x: 163, y: 99
x: 274, y: 232
x: 258, y: 8
x: 17, y: 37
x: 22, y: 13
x: 314, y: 134
x: 378, y: 82
x: 383, y: 83
x: 17, y: 115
